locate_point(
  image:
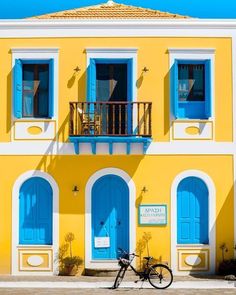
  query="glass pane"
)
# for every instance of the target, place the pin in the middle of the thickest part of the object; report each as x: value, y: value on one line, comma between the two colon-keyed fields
x: 29, y: 90
x: 191, y: 82
x: 43, y: 93
x: 35, y: 90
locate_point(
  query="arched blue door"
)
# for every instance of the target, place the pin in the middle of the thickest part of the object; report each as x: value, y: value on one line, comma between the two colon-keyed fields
x: 110, y: 217
x: 192, y: 212
x: 35, y: 212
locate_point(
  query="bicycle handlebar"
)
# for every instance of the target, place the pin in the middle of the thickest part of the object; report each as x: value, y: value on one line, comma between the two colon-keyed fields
x: 121, y: 250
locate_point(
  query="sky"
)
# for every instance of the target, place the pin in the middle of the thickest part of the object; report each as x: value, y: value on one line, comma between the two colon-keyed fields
x: 12, y: 9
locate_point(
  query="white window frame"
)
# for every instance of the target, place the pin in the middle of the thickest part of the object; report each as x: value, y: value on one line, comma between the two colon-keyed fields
x: 38, y: 54
x: 194, y: 54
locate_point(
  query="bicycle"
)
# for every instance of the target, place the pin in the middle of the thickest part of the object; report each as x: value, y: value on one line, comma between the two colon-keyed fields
x: 159, y: 275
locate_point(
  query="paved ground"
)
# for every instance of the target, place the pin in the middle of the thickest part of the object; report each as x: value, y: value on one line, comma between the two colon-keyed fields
x: 69, y: 286
x: 115, y: 292
x: 10, y: 278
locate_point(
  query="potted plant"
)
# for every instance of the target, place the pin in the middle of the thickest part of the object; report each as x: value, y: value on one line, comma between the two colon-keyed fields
x: 68, y: 264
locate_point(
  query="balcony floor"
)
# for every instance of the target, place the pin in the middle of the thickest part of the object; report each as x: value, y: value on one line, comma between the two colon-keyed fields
x: 110, y: 140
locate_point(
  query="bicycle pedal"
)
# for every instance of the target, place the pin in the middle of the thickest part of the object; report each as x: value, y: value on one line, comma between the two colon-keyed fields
x: 136, y: 281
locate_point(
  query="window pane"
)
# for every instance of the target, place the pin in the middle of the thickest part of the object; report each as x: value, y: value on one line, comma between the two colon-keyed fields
x: 191, y: 82
x: 28, y: 98
x: 43, y: 93
x: 35, y: 90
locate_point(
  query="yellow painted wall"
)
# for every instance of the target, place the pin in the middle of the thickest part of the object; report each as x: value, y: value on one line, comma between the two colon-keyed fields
x: 155, y: 172
x: 153, y: 86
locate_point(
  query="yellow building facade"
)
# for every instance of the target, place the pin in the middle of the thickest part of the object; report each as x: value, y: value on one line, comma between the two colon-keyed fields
x: 113, y: 128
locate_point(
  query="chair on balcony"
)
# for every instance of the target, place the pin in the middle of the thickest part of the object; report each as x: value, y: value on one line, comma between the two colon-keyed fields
x: 90, y: 123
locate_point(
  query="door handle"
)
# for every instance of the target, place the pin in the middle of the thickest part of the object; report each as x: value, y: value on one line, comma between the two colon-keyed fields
x: 102, y: 222
x: 119, y: 223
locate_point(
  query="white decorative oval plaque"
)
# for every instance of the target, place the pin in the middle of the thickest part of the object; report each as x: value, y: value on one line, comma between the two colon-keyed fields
x: 35, y: 260
x: 193, y: 260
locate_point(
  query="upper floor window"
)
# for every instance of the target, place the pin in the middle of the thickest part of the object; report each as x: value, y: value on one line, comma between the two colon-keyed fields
x: 192, y: 89
x: 33, y: 88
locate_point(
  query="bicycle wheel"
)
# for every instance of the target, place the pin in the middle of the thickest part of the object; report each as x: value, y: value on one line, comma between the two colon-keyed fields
x: 160, y: 276
x: 119, y: 277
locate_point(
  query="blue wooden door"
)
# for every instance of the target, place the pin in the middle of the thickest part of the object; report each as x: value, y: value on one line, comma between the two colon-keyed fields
x: 110, y: 216
x: 35, y: 212
x: 192, y: 212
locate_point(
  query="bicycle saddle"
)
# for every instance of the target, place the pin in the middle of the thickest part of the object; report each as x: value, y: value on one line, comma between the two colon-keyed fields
x: 148, y: 258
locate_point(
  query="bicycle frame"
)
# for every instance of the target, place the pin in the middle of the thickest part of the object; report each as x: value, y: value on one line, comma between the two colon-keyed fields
x: 141, y: 274
x: 152, y: 273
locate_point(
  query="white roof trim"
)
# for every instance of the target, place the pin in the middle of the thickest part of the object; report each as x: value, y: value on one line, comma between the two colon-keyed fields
x: 116, y: 28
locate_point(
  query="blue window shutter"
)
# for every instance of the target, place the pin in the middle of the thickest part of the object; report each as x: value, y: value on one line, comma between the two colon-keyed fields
x: 18, y: 85
x: 130, y: 93
x: 92, y: 81
x: 208, y: 101
x: 192, y: 212
x: 51, y: 89
x: 35, y: 212
x: 130, y: 79
x: 175, y: 88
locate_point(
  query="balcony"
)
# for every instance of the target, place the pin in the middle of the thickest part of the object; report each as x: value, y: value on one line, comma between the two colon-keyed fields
x: 110, y: 122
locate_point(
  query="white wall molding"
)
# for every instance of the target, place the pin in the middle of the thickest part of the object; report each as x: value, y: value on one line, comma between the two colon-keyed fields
x: 88, y: 224
x: 35, y: 53
x: 194, y: 54
x: 183, y: 147
x: 119, y: 53
x: 191, y: 50
x: 212, y: 218
x: 28, y: 50
x: 111, y: 50
x: 115, y: 28
x: 15, y: 220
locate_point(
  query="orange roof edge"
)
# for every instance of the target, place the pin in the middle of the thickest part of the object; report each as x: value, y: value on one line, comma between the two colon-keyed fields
x: 110, y: 10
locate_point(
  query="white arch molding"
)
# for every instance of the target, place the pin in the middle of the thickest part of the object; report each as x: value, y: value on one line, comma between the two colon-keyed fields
x: 89, y: 263
x: 15, y: 220
x: 212, y: 218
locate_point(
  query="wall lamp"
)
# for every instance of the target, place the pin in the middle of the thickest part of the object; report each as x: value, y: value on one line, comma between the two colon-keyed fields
x: 75, y: 190
x: 77, y: 69
x: 145, y: 70
x: 144, y: 190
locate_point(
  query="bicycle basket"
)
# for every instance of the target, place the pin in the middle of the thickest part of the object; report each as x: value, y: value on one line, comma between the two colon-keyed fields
x: 123, y: 262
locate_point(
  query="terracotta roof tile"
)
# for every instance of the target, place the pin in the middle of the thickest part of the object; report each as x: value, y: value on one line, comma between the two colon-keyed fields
x: 110, y: 10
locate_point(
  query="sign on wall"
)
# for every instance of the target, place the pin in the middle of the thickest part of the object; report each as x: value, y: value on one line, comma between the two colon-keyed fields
x: 152, y: 214
x: 102, y: 242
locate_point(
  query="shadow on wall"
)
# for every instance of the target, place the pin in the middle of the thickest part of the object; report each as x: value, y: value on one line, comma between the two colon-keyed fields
x: 168, y: 107
x: 9, y: 103
x: 224, y: 231
x: 225, y: 224
x: 76, y: 169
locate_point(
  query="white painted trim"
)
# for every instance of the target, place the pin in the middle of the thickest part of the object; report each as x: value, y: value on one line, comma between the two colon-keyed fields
x: 118, y: 53
x: 234, y: 124
x: 111, y: 50
x: 116, y: 28
x: 178, y: 147
x: 194, y: 54
x: 212, y: 218
x: 37, y: 54
x: 15, y: 220
x: 191, y: 50
x: 89, y: 263
x: 40, y: 50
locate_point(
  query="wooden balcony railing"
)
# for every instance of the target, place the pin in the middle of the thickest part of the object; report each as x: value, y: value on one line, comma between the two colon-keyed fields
x: 110, y: 119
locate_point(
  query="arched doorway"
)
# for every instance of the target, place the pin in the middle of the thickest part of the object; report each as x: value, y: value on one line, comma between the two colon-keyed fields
x: 35, y: 212
x: 193, y: 217
x: 110, y: 217
x: 192, y: 212
x: 35, y: 224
